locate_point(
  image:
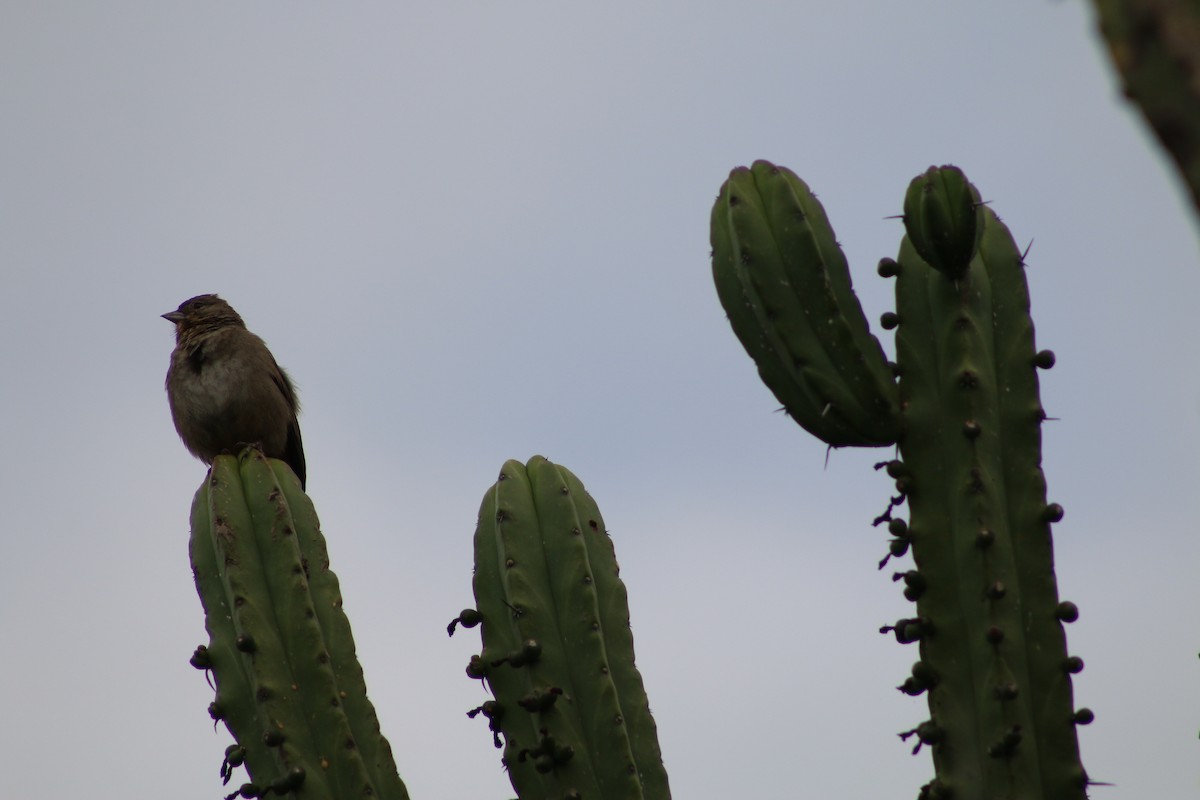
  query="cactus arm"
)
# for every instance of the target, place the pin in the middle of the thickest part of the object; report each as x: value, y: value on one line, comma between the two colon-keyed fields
x: 1001, y: 708
x: 785, y: 286
x: 279, y: 696
x: 261, y: 649
x: 511, y: 591
x: 545, y: 573
x: 816, y: 269
x: 752, y: 321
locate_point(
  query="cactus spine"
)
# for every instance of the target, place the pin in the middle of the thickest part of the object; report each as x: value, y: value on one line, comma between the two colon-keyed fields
x: 557, y: 647
x: 288, y: 684
x: 993, y: 660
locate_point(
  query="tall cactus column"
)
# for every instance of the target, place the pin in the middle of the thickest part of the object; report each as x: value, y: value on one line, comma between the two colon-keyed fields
x: 993, y: 652
x: 557, y: 646
x: 288, y: 684
x: 991, y: 637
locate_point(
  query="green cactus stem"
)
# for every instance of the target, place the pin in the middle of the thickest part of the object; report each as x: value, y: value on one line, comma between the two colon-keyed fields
x: 557, y: 647
x: 288, y: 684
x: 1002, y: 722
x: 785, y: 285
x: 988, y: 622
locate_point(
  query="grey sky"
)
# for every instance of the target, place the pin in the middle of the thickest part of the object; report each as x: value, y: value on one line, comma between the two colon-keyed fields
x: 478, y: 231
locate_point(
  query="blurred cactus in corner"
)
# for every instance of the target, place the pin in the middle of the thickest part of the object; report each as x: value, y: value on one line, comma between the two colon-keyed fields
x: 966, y: 416
x: 1155, y: 47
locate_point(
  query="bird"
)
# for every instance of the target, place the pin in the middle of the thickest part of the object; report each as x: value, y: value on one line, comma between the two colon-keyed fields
x: 225, y: 388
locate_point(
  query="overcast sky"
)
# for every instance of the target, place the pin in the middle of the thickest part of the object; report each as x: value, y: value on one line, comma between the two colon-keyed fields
x: 479, y: 231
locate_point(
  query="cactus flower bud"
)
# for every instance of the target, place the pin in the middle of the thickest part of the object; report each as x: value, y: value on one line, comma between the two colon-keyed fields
x: 944, y: 219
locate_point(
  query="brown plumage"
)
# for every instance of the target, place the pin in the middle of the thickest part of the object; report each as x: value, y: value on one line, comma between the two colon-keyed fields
x: 225, y: 389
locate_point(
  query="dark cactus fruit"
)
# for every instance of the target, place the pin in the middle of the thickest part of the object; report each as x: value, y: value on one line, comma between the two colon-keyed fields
x: 557, y: 647
x: 944, y: 219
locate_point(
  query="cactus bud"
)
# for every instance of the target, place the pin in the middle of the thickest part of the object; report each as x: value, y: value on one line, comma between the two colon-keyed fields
x: 201, y: 658
x: 944, y: 219
x: 469, y: 618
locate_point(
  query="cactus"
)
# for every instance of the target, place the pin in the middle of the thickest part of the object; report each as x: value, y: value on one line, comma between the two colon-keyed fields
x: 557, y: 647
x: 1155, y: 48
x: 993, y: 659
x: 570, y: 710
x: 785, y: 285
x: 558, y: 651
x: 288, y: 685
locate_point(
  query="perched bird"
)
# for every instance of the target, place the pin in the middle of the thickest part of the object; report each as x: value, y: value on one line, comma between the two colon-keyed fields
x: 225, y: 389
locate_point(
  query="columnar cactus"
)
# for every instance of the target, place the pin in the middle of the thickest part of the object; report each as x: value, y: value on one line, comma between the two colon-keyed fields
x: 785, y: 285
x: 557, y: 647
x: 288, y: 684
x: 993, y: 659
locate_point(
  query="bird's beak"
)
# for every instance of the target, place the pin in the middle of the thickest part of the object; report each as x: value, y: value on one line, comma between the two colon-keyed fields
x: 173, y: 316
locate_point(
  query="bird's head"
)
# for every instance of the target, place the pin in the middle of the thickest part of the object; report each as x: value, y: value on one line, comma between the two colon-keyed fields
x: 203, y: 312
